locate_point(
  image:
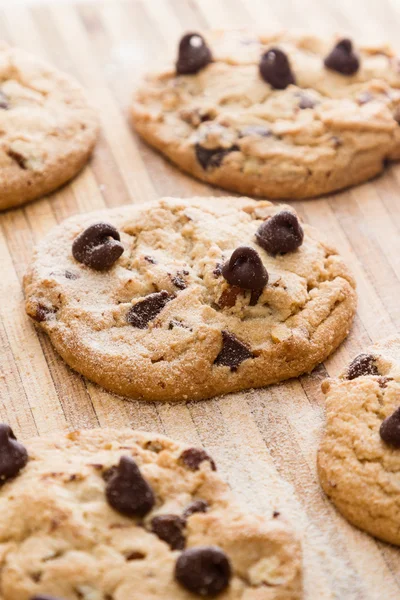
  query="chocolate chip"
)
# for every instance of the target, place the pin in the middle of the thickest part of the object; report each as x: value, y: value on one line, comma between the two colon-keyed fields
x: 255, y: 295
x: 210, y: 159
x: 179, y: 281
x: 276, y: 514
x: 98, y: 247
x: 275, y: 69
x: 193, y: 457
x: 257, y: 130
x: 280, y: 234
x: 43, y: 313
x: 363, y: 364
x: 306, y: 102
x: 169, y: 528
x: 127, y: 491
x: 193, y: 54
x: 390, y: 429
x: 383, y: 381
x: 19, y: 158
x: 197, y: 506
x: 204, y: 570
x: 146, y: 310
x: 342, y: 58
x: 245, y: 269
x: 13, y: 455
x: 229, y: 296
x: 3, y: 101
x: 233, y: 352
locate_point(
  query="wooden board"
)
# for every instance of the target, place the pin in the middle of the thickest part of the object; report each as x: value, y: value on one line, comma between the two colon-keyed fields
x: 264, y: 441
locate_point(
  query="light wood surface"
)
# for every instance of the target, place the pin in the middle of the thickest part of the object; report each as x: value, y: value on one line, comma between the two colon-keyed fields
x: 263, y: 441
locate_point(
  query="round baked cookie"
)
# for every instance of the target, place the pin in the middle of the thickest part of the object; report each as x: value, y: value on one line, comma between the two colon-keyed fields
x: 279, y: 116
x: 359, y: 455
x: 195, y: 300
x: 47, y: 128
x: 118, y: 514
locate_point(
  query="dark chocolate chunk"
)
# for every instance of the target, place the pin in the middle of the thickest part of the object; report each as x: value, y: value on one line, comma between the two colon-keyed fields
x: 193, y: 457
x: 275, y: 69
x: 98, y: 247
x: 280, y: 234
x: 170, y: 528
x: 363, y: 364
x: 245, y: 269
x: 197, y: 506
x: 204, y: 570
x: 233, y: 352
x: 210, y: 159
x: 3, y: 101
x: 193, y: 54
x: 13, y: 455
x: 258, y: 130
x: 43, y: 313
x: 342, y: 58
x: 127, y: 491
x: 390, y: 430
x: 147, y: 309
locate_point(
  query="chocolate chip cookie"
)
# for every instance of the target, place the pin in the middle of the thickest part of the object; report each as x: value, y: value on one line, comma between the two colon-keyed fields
x: 187, y: 299
x: 118, y: 514
x: 359, y: 456
x: 281, y: 116
x: 47, y: 128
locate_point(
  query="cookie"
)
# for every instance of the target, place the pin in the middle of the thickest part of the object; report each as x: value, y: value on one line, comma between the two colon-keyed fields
x: 279, y: 116
x: 117, y: 514
x: 186, y: 299
x: 359, y: 455
x: 48, y: 130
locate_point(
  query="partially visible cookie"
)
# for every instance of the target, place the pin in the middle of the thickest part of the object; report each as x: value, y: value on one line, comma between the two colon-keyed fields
x: 48, y: 130
x: 117, y: 514
x: 187, y: 299
x: 279, y: 116
x: 359, y: 455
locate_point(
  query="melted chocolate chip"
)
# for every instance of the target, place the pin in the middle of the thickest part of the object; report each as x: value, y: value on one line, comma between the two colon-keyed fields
x: 204, y: 570
x: 147, y: 309
x: 170, y: 528
x: 4, y: 101
x: 233, y: 352
x: 245, y: 269
x: 193, y: 54
x: 363, y: 364
x: 193, y: 457
x: 98, y: 247
x: 390, y: 430
x: 13, y: 455
x: 255, y: 295
x: 280, y: 234
x: 43, y: 313
x: 342, y: 58
x: 127, y: 491
x: 197, y: 506
x: 210, y: 159
x: 258, y: 130
x: 275, y: 69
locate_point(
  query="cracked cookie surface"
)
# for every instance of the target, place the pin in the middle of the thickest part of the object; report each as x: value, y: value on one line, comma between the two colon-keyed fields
x: 163, y: 323
x: 227, y: 126
x: 358, y: 470
x: 47, y: 129
x: 59, y: 536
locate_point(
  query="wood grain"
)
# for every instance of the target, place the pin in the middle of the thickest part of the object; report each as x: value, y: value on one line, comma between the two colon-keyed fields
x: 264, y: 441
